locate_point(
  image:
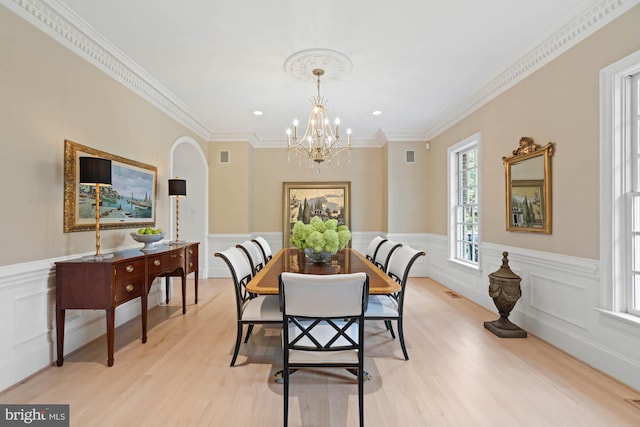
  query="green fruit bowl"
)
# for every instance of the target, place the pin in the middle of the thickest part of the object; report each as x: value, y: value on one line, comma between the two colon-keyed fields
x: 148, y: 240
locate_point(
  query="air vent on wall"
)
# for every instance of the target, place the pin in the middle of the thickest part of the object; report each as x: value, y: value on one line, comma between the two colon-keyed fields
x: 410, y: 156
x: 224, y: 157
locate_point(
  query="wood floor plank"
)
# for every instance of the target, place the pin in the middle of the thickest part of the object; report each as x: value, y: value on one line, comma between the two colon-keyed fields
x: 459, y: 374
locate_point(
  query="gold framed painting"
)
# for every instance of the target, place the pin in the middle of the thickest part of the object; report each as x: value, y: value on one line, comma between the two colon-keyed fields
x: 304, y: 200
x: 128, y: 203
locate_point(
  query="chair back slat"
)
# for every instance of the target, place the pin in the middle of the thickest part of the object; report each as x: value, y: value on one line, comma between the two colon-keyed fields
x: 240, y: 272
x: 253, y: 254
x: 373, y: 247
x: 331, y: 295
x: 267, y: 253
x: 384, y: 253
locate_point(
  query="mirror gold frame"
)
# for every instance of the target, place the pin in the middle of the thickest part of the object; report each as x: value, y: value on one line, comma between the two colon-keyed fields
x: 528, y: 187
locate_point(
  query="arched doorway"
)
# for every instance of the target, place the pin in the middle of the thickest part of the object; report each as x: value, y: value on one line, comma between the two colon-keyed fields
x: 188, y: 162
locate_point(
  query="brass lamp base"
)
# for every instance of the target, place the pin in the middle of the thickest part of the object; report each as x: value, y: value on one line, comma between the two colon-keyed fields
x: 177, y: 242
x: 97, y: 258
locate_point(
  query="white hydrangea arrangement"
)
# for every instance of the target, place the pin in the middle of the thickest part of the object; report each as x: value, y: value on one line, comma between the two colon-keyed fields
x: 320, y: 235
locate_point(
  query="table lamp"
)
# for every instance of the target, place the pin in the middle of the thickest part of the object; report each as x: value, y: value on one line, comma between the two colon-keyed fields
x: 96, y: 172
x: 177, y: 187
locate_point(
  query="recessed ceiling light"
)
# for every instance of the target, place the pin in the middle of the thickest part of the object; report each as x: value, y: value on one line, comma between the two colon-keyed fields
x: 376, y: 113
x: 257, y: 113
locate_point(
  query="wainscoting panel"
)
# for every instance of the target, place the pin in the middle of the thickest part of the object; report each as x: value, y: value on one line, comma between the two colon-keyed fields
x: 550, y: 295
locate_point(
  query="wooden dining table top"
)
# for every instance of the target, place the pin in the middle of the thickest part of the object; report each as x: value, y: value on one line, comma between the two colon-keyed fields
x: 346, y: 261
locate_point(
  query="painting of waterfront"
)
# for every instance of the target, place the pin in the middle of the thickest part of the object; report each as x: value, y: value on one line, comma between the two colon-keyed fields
x: 129, y: 196
x: 129, y: 202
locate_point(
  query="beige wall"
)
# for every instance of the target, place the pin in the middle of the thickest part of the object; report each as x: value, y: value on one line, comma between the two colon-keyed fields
x: 559, y: 103
x: 49, y: 94
x: 230, y: 189
x: 271, y: 167
x: 407, y: 192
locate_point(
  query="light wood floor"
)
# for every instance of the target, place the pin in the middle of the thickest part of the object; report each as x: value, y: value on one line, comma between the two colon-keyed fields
x: 459, y: 374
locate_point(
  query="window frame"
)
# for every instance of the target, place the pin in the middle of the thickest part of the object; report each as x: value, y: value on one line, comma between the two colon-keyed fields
x: 453, y: 187
x: 619, y: 170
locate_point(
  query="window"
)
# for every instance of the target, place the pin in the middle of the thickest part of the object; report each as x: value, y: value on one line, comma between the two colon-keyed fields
x: 464, y: 200
x: 620, y: 185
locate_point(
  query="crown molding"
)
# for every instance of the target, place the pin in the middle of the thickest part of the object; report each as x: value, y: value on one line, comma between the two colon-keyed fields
x: 579, y: 29
x: 66, y: 27
x: 281, y: 142
x: 405, y: 135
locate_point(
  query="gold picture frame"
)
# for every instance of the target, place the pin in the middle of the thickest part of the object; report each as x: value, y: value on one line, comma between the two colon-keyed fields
x: 324, y: 199
x: 130, y: 202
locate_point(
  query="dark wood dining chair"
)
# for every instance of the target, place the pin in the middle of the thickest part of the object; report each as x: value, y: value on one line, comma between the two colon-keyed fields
x: 254, y: 254
x: 372, y: 249
x: 250, y: 309
x: 384, y: 253
x: 323, y: 319
x: 391, y: 307
x: 267, y: 253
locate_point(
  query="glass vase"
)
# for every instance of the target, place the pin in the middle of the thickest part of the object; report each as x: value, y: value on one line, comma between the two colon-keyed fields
x: 318, y: 257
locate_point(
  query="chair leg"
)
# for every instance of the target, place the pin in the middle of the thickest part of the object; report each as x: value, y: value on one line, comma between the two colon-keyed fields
x: 285, y: 376
x: 238, y: 340
x: 361, y: 396
x: 390, y: 328
x: 401, y: 336
x: 249, y: 330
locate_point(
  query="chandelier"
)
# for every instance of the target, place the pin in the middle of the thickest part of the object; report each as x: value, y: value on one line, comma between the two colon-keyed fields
x: 319, y: 142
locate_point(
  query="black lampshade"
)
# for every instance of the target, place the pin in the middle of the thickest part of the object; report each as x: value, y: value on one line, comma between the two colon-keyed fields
x: 94, y: 170
x: 177, y: 187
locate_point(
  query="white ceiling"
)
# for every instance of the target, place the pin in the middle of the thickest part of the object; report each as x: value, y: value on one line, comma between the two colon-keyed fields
x: 421, y: 62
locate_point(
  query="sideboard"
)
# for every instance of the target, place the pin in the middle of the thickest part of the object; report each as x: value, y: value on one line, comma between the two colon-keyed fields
x: 104, y: 285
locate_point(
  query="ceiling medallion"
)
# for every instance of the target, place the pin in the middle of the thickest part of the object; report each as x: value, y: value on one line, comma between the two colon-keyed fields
x: 336, y: 65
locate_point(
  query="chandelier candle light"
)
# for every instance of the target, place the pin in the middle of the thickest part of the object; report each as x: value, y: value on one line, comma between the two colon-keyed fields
x: 319, y: 143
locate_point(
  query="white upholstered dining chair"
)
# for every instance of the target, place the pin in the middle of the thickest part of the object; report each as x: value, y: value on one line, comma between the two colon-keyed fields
x: 391, y: 307
x: 267, y: 253
x: 250, y: 309
x: 375, y: 243
x: 254, y: 254
x: 323, y: 319
x: 384, y: 253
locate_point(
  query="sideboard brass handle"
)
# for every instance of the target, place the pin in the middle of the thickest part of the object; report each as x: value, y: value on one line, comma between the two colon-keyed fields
x: 156, y: 262
x: 129, y: 268
x: 190, y: 264
x: 190, y: 251
x: 129, y: 288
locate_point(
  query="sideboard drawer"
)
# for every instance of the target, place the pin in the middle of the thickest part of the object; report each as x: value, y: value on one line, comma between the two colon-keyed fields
x: 165, y: 262
x: 129, y: 288
x: 127, y: 270
x: 192, y: 259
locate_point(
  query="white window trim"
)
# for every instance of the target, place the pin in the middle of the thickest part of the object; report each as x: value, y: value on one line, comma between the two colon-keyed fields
x: 614, y: 175
x: 452, y: 189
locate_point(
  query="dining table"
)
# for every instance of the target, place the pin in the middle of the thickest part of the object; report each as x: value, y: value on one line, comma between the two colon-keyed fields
x: 345, y: 261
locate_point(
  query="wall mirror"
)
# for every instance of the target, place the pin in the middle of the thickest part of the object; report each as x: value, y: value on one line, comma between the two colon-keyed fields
x: 528, y: 187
